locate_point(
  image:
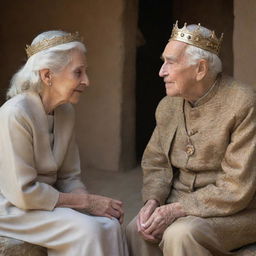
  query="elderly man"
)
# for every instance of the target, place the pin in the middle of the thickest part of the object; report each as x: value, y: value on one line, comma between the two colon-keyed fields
x: 200, y: 164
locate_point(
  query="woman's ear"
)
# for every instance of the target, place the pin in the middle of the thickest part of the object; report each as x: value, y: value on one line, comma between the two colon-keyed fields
x: 202, y: 69
x: 45, y: 75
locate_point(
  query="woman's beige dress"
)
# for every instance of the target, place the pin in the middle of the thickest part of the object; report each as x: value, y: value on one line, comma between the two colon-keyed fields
x: 39, y: 158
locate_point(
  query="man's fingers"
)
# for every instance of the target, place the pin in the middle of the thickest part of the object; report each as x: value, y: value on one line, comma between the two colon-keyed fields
x: 138, y: 223
x: 149, y: 237
x: 158, y: 233
x: 148, y: 223
x: 154, y: 223
x: 144, y: 216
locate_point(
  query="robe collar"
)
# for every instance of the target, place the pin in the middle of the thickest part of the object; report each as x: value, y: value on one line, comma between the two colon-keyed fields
x: 209, y: 94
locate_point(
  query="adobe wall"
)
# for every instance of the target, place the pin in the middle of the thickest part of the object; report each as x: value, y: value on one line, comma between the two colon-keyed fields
x: 244, y: 40
x: 105, y: 111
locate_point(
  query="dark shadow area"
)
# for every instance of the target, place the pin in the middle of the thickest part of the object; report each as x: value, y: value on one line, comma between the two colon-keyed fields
x: 155, y: 25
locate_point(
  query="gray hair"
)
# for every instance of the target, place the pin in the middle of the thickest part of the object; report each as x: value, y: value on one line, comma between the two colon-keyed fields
x: 194, y: 54
x: 55, y: 58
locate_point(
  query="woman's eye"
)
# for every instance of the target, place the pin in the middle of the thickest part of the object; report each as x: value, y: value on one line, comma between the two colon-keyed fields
x: 78, y: 72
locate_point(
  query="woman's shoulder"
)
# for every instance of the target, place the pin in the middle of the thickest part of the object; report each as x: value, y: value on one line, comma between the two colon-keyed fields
x: 22, y: 105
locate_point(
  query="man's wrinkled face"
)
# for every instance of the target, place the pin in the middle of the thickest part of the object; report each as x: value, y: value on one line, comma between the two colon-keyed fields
x: 179, y: 77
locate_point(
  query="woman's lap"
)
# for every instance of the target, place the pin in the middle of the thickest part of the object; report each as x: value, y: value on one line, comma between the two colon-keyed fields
x: 53, y: 228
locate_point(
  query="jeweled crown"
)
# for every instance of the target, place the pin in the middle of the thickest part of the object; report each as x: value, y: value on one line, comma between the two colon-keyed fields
x: 195, y: 38
x: 48, y: 43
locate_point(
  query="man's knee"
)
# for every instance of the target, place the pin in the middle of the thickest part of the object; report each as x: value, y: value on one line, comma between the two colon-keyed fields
x: 184, y: 229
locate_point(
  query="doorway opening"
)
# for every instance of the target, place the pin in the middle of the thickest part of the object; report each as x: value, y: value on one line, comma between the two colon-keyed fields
x: 155, y: 25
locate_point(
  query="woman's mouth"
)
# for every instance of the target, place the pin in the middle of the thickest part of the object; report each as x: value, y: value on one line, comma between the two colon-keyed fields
x: 79, y: 90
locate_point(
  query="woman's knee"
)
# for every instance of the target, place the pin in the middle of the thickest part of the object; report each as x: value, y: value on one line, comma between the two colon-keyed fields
x: 98, y: 225
x: 108, y: 225
x: 82, y: 223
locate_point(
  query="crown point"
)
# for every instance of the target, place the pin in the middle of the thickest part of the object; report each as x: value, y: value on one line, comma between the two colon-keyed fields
x: 213, y: 35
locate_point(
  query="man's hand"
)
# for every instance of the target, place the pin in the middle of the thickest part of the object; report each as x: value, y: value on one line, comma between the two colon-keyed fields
x: 159, y: 220
x: 145, y: 213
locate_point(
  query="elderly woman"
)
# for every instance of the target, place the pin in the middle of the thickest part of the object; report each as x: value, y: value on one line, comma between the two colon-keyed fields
x: 199, y: 184
x: 41, y: 193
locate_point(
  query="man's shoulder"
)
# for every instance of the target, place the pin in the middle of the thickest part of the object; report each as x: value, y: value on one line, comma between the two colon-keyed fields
x: 237, y: 93
x: 170, y: 104
x: 168, y: 109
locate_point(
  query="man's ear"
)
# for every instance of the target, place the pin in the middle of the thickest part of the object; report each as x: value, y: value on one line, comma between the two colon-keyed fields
x: 202, y: 69
x: 45, y: 76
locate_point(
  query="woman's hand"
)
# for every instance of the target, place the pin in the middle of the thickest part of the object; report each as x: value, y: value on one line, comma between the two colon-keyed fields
x: 92, y: 204
x: 104, y: 206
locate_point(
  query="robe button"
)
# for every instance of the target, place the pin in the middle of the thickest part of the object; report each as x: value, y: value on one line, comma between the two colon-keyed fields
x: 190, y: 149
x: 190, y: 133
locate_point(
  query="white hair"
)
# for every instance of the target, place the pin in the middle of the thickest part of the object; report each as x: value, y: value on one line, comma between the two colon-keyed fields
x: 55, y: 58
x: 194, y: 54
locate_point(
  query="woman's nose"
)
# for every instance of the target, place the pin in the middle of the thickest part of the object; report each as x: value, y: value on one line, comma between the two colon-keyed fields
x: 86, y: 80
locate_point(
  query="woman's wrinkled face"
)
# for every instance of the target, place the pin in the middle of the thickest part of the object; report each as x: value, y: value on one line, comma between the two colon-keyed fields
x: 70, y: 82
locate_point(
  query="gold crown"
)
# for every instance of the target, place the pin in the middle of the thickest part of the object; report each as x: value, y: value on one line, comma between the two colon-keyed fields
x: 48, y: 43
x: 195, y: 38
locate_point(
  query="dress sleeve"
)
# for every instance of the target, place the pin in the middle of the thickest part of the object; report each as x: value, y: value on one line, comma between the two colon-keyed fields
x: 236, y: 185
x: 69, y: 175
x: 18, y: 174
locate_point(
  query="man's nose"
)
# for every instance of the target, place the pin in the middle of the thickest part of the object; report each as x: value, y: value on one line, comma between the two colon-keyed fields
x: 163, y: 71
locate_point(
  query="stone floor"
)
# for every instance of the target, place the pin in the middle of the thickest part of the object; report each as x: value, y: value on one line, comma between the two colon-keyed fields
x: 125, y: 186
